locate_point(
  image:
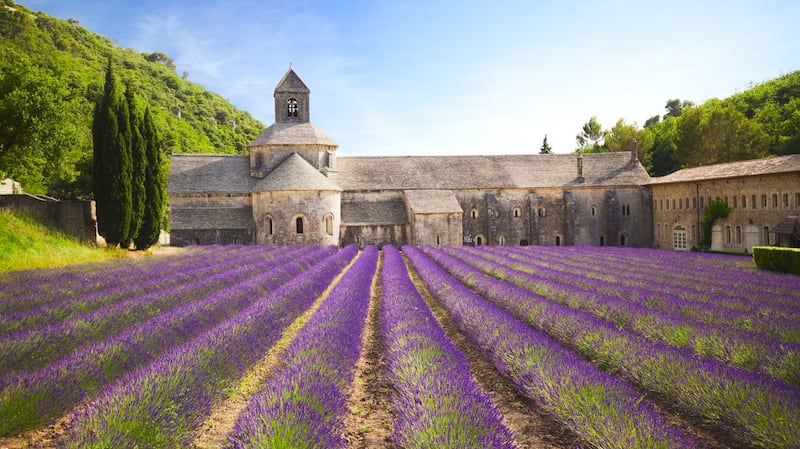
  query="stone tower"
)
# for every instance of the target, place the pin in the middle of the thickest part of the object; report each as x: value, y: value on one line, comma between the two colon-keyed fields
x: 291, y: 133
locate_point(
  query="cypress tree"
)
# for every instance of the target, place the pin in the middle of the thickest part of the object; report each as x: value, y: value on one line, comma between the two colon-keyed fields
x: 155, y: 185
x: 139, y: 164
x: 112, y: 165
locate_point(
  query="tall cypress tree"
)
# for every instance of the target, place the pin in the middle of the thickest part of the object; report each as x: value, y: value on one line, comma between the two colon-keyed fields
x: 155, y: 185
x: 112, y: 165
x: 139, y: 164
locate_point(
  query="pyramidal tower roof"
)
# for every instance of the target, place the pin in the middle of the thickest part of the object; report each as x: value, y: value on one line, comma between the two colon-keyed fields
x: 291, y: 83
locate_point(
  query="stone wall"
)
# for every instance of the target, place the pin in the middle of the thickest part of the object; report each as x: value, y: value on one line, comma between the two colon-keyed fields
x: 678, y: 208
x: 276, y: 215
x: 75, y: 218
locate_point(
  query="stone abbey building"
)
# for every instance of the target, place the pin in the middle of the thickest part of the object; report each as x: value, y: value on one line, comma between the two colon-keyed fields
x: 291, y: 188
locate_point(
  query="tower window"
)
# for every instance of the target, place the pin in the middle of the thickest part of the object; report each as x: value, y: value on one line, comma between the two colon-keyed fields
x: 291, y: 107
x: 299, y: 225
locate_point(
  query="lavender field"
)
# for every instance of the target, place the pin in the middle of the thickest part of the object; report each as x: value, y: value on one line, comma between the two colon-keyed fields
x: 253, y: 346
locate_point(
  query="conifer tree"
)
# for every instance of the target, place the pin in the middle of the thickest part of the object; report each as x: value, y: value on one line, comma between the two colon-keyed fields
x: 545, y: 148
x: 112, y: 163
x: 139, y: 164
x: 155, y: 185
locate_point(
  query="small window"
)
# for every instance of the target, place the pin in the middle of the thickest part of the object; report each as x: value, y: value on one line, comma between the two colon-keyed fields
x: 438, y: 240
x: 291, y: 107
x: 694, y: 202
x: 478, y: 240
x: 329, y: 224
x: 603, y: 238
x: 298, y: 223
x: 735, y: 202
x: 542, y: 212
x: 763, y: 201
x: 753, y: 203
x: 766, y: 235
x: 594, y: 210
x: 728, y: 234
x: 744, y: 201
x: 661, y: 204
x: 623, y: 239
x: 501, y: 240
x: 702, y: 202
x: 797, y: 200
x: 474, y: 213
x: 558, y: 240
x: 775, y: 200
x: 786, y: 200
x: 517, y: 212
x: 268, y: 225
x: 738, y: 235
x: 694, y: 234
x: 686, y: 202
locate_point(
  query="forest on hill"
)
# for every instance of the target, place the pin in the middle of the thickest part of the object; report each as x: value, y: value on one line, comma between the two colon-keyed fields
x: 51, y: 75
x: 761, y: 121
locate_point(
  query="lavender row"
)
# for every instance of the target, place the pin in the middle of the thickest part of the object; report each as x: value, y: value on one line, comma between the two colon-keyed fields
x: 157, y: 280
x: 677, y: 306
x: 29, y: 399
x: 160, y: 405
x: 600, y: 408
x: 715, y: 270
x: 725, y: 395
x: 744, y: 349
x: 739, y: 288
x: 40, y: 287
x: 438, y: 403
x: 304, y: 403
x: 34, y: 348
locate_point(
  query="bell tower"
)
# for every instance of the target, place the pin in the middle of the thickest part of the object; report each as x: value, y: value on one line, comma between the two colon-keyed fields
x: 291, y: 99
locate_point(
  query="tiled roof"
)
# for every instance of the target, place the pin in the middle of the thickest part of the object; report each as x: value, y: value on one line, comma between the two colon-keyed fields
x: 378, y: 212
x: 294, y: 173
x: 291, y: 82
x: 487, y: 172
x: 772, y: 165
x: 212, y: 218
x: 292, y: 134
x: 209, y: 173
x: 791, y: 226
x: 432, y: 201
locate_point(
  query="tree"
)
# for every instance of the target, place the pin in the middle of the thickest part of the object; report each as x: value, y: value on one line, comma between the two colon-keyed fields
x: 155, y: 185
x: 716, y: 210
x: 112, y: 162
x: 590, y: 138
x: 139, y: 166
x: 675, y: 107
x: 545, y: 148
x: 622, y: 135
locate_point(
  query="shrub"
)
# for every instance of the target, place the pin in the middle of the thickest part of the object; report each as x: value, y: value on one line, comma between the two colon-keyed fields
x: 785, y: 260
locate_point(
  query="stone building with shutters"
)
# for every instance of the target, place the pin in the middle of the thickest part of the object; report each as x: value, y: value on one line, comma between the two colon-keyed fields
x: 763, y: 196
x: 291, y: 188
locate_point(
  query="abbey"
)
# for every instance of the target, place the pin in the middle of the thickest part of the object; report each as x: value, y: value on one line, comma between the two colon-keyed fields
x: 293, y: 189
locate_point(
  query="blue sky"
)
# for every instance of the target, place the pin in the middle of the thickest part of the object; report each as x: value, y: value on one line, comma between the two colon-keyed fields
x: 459, y: 77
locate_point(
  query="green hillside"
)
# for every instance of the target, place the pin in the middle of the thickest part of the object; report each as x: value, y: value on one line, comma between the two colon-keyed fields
x: 51, y: 73
x: 27, y: 244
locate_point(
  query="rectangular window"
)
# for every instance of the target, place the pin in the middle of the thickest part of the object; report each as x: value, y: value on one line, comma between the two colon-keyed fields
x: 738, y: 235
x: 744, y: 201
x: 753, y: 203
x: 680, y: 203
x: 786, y: 200
x: 728, y: 234
x: 735, y: 202
x: 661, y: 202
x: 694, y: 234
x: 694, y: 203
x: 763, y: 201
x: 673, y: 204
x: 775, y: 200
x: 766, y: 235
x: 702, y: 202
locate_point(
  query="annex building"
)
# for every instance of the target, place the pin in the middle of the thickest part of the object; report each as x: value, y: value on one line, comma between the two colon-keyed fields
x: 291, y: 188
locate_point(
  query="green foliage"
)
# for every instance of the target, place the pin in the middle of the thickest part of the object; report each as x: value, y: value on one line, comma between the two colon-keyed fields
x: 155, y: 184
x: 139, y: 165
x: 546, y: 148
x: 621, y: 138
x: 590, y: 139
x: 785, y: 260
x: 716, y: 210
x: 27, y: 244
x: 51, y: 76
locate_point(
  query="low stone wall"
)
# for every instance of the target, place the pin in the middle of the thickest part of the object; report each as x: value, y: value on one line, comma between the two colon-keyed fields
x: 76, y: 218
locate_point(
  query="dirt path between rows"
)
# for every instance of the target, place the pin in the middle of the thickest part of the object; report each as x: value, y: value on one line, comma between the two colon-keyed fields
x: 530, y: 426
x: 213, y: 433
x: 370, y: 422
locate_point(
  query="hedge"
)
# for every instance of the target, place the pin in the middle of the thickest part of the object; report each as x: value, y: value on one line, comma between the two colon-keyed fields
x: 786, y: 260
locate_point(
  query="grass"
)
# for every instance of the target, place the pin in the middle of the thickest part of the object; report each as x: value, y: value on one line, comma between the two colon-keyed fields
x: 27, y: 244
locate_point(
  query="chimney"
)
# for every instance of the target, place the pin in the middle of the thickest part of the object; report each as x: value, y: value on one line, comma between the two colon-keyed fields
x: 580, y: 166
x: 634, y: 151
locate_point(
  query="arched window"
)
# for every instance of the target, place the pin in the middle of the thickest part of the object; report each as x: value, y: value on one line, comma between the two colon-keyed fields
x: 438, y: 240
x: 623, y: 239
x: 291, y: 107
x: 603, y: 238
x: 268, y: 225
x: 679, y: 237
x: 329, y: 224
x: 298, y: 223
x: 474, y: 213
x: 558, y: 240
x: 501, y: 240
x: 478, y: 240
x: 517, y: 212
